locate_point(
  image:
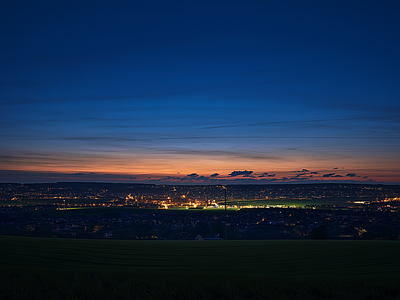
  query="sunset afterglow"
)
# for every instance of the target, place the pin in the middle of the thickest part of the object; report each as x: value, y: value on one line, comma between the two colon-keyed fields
x: 200, y: 94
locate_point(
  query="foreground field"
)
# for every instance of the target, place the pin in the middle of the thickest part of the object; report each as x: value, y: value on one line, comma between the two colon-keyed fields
x: 103, y: 269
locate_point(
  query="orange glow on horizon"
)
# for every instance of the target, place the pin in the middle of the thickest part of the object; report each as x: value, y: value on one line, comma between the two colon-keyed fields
x: 121, y: 167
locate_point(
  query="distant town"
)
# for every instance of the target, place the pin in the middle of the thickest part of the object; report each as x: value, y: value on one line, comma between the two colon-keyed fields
x: 160, y: 212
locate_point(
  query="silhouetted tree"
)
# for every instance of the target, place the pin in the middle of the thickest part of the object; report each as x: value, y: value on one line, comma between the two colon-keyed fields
x: 254, y: 234
x: 319, y: 233
x: 202, y: 228
x: 217, y: 227
x: 379, y: 232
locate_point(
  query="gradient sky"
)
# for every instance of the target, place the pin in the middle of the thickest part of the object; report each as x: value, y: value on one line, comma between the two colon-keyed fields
x: 200, y: 92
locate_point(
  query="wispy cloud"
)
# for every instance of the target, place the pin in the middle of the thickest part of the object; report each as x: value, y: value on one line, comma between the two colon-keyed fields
x: 328, y: 175
x: 244, y: 173
x: 351, y: 174
x: 193, y: 175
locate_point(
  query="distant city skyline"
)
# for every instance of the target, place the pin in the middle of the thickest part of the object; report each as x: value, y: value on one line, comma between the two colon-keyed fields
x: 200, y: 92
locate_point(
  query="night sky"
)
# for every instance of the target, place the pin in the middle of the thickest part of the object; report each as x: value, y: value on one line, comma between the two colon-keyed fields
x: 200, y: 92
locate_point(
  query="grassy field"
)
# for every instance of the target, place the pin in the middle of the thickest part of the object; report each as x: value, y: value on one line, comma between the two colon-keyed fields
x: 338, y: 201
x: 296, y: 202
x: 110, y: 269
x: 95, y: 211
x: 58, y: 202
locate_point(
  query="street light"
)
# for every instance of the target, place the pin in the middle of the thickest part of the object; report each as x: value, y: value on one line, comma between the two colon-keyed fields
x: 226, y: 232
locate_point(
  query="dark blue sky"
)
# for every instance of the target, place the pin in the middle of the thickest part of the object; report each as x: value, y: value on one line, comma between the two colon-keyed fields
x: 154, y: 91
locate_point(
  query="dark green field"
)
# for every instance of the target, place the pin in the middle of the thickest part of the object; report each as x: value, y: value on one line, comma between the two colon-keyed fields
x: 57, y: 202
x: 337, y: 201
x: 95, y: 211
x: 293, y: 202
x: 39, y: 268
